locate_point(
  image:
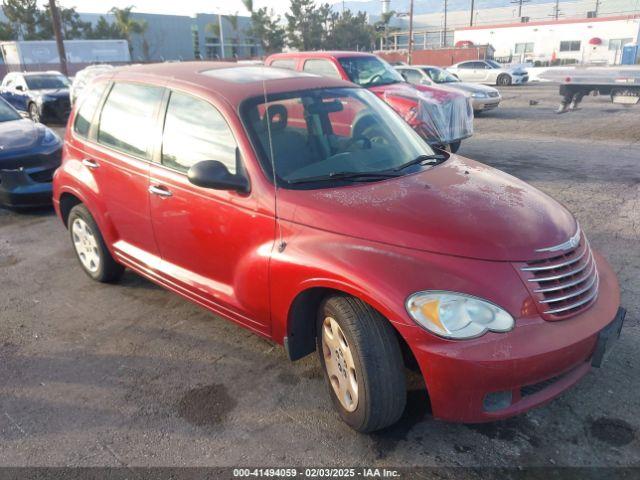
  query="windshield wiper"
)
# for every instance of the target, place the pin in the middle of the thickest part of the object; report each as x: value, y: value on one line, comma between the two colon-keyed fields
x: 422, y: 160
x: 355, y: 176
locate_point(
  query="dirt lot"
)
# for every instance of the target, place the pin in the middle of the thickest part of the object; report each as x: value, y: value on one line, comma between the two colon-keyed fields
x: 95, y: 375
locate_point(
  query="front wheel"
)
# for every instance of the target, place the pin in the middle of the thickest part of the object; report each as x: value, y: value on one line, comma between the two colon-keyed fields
x: 362, y: 363
x: 34, y: 113
x: 504, y: 80
x: 94, y: 257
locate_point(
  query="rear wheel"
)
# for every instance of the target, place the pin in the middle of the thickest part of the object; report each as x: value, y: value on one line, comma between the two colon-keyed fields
x: 362, y: 363
x: 34, y: 113
x: 504, y: 80
x: 94, y: 257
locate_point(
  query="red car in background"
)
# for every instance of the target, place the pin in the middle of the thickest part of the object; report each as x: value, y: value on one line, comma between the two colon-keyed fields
x: 441, y: 116
x: 247, y: 191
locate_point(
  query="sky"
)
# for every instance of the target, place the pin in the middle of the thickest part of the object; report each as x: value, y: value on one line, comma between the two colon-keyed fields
x: 174, y: 7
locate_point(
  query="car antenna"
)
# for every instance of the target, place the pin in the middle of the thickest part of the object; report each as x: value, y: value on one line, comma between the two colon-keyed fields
x: 281, y: 243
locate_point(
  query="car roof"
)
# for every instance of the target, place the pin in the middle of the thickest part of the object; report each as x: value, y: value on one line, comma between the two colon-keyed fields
x: 321, y: 54
x: 230, y: 80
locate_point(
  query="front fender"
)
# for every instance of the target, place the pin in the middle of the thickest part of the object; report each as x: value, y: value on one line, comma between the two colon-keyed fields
x: 381, y: 275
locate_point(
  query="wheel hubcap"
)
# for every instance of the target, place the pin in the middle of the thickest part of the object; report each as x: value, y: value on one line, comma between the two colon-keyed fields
x: 339, y: 364
x: 86, y: 245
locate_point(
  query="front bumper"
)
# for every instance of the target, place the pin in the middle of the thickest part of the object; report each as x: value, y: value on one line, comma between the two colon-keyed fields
x: 519, y: 79
x: 484, y: 104
x: 26, y: 187
x: 532, y: 364
x: 56, y: 111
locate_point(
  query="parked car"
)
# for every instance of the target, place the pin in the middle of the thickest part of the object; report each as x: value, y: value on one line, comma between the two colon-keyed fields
x: 441, y: 116
x: 483, y: 98
x: 254, y: 192
x: 29, y: 154
x: 84, y: 77
x: 43, y: 96
x: 490, y: 72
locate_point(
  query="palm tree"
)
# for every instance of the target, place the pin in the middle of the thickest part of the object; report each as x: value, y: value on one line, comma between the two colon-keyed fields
x: 233, y: 21
x: 127, y: 25
x: 248, y: 4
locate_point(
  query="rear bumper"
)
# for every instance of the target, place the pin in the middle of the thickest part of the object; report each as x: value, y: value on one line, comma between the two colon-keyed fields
x: 28, y: 187
x: 528, y: 366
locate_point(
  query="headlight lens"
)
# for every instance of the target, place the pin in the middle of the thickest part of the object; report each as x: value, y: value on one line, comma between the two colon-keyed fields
x: 478, y: 95
x: 456, y: 315
x: 50, y: 138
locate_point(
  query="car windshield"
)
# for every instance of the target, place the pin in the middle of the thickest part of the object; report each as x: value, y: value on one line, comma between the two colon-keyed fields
x: 493, y: 64
x: 326, y: 137
x: 7, y: 113
x: 439, y: 75
x: 46, y: 82
x: 369, y: 71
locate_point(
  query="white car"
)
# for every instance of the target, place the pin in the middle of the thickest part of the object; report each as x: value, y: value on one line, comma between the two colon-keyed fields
x: 483, y: 98
x: 490, y: 72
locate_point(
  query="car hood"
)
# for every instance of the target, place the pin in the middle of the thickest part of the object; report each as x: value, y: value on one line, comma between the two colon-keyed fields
x: 53, y: 92
x: 469, y: 87
x: 17, y: 135
x: 460, y: 207
x: 439, y: 94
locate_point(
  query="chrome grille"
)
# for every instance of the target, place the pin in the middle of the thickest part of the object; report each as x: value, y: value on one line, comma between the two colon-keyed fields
x: 565, y: 284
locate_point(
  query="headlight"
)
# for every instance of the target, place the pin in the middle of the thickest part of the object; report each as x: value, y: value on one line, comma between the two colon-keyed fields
x: 479, y: 95
x: 50, y: 138
x: 456, y: 315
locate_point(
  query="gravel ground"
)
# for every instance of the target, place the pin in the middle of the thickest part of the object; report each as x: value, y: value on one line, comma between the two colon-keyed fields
x: 132, y: 375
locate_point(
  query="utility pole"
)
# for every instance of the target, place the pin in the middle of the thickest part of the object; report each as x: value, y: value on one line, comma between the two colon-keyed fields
x: 221, y: 35
x: 556, y: 10
x: 444, y: 36
x: 471, y: 18
x: 57, y: 30
x: 597, y: 7
x: 519, y: 3
x: 410, y: 32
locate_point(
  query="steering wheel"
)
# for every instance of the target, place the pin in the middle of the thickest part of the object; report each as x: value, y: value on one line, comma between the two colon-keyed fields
x: 374, y: 78
x: 365, y: 140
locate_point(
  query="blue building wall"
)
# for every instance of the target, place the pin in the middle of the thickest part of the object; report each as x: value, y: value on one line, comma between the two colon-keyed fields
x: 236, y: 42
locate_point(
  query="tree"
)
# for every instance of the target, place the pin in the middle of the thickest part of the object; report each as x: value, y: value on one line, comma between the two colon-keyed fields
x: 6, y: 31
x: 350, y: 32
x: 72, y: 26
x: 233, y: 21
x: 265, y: 27
x: 127, y: 25
x: 306, y: 25
x: 382, y: 27
x: 23, y: 18
x: 105, y: 30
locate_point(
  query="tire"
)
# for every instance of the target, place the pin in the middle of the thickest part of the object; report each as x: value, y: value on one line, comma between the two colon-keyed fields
x: 34, y: 113
x: 504, y: 80
x: 454, y: 146
x: 92, y: 253
x: 366, y: 354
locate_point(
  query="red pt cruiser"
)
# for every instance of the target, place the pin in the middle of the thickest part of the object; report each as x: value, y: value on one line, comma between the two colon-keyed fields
x: 245, y: 190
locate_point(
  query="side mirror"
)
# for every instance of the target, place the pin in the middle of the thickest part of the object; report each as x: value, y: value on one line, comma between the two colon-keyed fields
x: 213, y: 174
x: 20, y: 88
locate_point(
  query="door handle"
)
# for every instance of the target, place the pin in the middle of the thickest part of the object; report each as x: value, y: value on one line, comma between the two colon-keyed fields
x: 92, y: 164
x: 160, y: 191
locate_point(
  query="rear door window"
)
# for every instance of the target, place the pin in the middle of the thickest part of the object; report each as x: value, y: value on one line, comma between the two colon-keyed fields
x: 127, y: 122
x: 194, y: 130
x: 288, y: 63
x: 321, y: 67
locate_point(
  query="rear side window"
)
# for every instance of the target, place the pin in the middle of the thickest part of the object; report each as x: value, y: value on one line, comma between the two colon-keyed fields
x: 321, y: 67
x: 194, y: 130
x: 289, y: 63
x: 467, y: 65
x: 89, y: 104
x: 127, y: 121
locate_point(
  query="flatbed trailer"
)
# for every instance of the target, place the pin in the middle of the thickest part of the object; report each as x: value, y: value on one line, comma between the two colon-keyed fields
x: 622, y: 84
